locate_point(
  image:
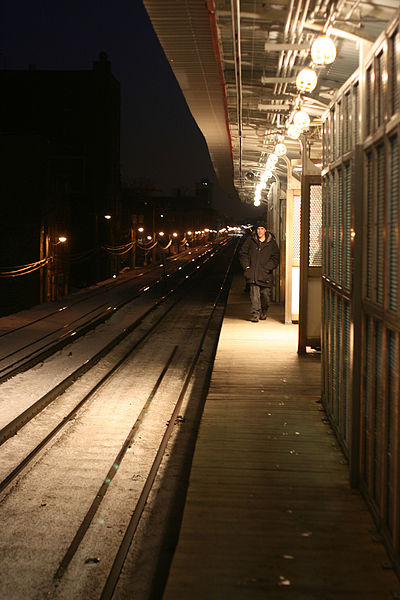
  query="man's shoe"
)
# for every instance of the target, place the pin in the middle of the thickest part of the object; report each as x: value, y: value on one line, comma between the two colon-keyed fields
x: 263, y: 316
x: 254, y: 319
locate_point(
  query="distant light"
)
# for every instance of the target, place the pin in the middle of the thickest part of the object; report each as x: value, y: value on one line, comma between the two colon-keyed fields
x: 108, y: 217
x: 149, y: 237
x: 162, y: 216
x: 141, y: 229
x: 114, y: 276
x: 62, y: 239
x: 189, y: 233
x: 306, y: 80
x: 175, y: 234
x: 161, y: 232
x: 207, y: 230
x: 323, y: 50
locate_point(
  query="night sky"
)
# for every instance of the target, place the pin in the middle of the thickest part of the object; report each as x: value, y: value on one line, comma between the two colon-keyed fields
x: 159, y: 138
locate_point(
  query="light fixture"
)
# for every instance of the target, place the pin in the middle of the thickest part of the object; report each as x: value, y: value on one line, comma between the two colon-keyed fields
x: 323, y: 50
x: 272, y: 159
x: 161, y: 233
x: 306, y: 80
x: 108, y: 217
x: 293, y: 131
x: 62, y: 239
x: 280, y: 150
x: 301, y: 119
x: 140, y: 229
x: 175, y: 234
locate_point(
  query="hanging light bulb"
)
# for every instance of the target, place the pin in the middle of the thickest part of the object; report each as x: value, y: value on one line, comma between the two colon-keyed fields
x: 272, y: 159
x: 306, y: 80
x: 301, y: 119
x: 280, y: 149
x: 293, y: 131
x: 323, y: 50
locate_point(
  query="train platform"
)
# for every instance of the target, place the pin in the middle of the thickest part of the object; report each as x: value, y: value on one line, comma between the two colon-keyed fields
x: 269, y: 511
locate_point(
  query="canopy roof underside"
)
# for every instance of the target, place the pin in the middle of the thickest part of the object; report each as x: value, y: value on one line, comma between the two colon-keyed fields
x: 236, y: 62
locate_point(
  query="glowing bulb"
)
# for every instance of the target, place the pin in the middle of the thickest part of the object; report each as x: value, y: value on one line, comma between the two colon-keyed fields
x: 280, y: 150
x: 301, y: 119
x: 293, y: 131
x: 306, y: 80
x: 323, y: 51
x: 161, y: 233
x: 62, y: 239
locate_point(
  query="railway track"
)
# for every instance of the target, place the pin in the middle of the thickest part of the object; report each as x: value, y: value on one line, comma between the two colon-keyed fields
x: 95, y: 468
x: 56, y: 380
x: 82, y: 313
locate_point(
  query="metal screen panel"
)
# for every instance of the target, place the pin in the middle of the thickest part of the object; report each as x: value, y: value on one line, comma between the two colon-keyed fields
x: 338, y: 130
x: 369, y: 100
x: 315, y: 241
x: 394, y: 71
x: 332, y: 347
x: 356, y: 113
x: 325, y: 196
x: 370, y: 229
x: 392, y: 366
x: 347, y: 228
x: 377, y: 421
x: 365, y: 398
x: 379, y: 68
x: 346, y: 370
x: 379, y: 224
x: 339, y: 229
x: 332, y: 134
x: 392, y: 226
x: 333, y: 227
x: 346, y: 122
x: 296, y: 229
x: 338, y: 360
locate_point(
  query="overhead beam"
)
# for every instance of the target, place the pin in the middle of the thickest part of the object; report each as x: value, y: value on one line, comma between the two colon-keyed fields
x: 270, y: 47
x: 265, y: 80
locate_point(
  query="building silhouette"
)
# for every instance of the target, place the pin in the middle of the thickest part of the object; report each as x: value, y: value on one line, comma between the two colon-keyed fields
x: 60, y: 145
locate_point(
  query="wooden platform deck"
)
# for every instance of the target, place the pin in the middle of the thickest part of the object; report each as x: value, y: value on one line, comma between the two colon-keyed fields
x: 269, y: 511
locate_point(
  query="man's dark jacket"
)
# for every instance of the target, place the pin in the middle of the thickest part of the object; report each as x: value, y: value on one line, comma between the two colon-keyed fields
x: 261, y: 258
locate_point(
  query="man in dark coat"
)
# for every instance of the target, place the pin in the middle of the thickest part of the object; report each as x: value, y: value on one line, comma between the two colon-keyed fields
x: 259, y: 256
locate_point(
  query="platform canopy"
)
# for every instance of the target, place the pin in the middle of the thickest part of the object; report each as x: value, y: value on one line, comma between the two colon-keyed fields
x: 236, y: 62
